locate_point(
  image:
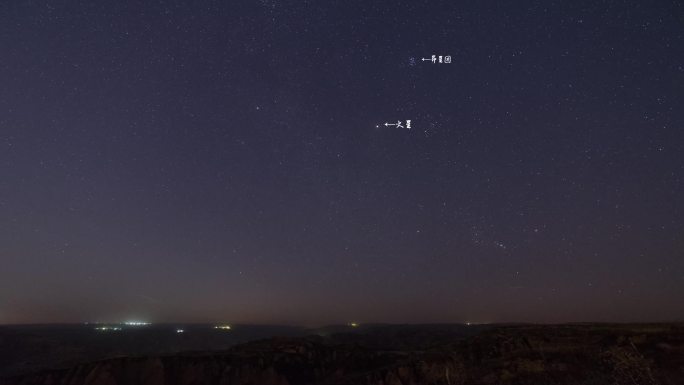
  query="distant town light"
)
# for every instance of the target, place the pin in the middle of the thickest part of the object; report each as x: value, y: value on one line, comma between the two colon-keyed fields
x: 106, y: 328
x: 136, y: 323
x: 353, y: 324
x: 180, y: 331
x: 222, y: 327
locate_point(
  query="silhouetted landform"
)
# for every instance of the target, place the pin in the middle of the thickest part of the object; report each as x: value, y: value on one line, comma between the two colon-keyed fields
x: 30, y: 348
x: 392, y: 355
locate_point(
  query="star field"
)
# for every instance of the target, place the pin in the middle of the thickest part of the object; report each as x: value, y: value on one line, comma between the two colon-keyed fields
x: 211, y: 161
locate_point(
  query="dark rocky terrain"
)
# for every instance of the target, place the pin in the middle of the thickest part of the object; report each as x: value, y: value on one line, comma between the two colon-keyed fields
x: 30, y: 348
x: 388, y: 355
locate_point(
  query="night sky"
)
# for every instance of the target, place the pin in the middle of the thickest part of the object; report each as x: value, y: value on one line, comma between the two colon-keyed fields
x: 229, y: 161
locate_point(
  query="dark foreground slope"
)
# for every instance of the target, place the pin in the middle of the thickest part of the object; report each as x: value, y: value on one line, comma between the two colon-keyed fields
x: 30, y: 348
x: 571, y: 354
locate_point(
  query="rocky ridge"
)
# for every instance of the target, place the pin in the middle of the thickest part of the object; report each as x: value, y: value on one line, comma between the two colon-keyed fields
x: 535, y: 355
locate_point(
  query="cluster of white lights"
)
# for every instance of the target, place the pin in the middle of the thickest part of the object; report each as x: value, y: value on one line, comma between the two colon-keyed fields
x: 136, y: 323
x: 105, y: 328
x: 222, y: 327
x: 180, y: 331
x: 353, y: 324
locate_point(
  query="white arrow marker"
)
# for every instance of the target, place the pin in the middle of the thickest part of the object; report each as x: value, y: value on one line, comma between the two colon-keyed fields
x: 397, y: 124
